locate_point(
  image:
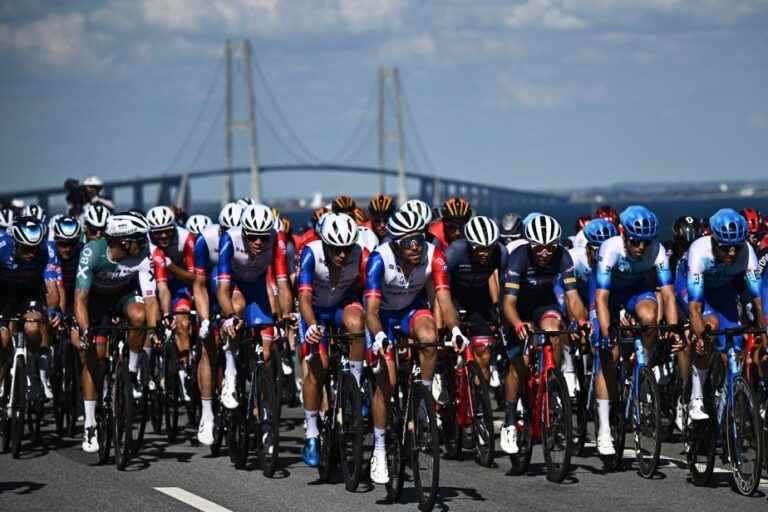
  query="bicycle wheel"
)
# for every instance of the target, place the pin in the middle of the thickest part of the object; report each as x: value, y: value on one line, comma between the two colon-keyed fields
x: 218, y: 429
x: 350, y: 434
x: 71, y: 389
x: 645, y: 415
x: 19, y: 405
x: 171, y: 395
x: 269, y: 409
x: 743, y: 438
x: 105, y: 420
x: 395, y: 457
x: 5, y: 424
x: 522, y: 459
x: 579, y: 409
x: 276, y: 362
x: 557, y: 436
x: 236, y: 436
x: 326, y: 446
x: 123, y: 410
x: 425, y: 447
x: 618, y: 424
x: 700, y: 439
x: 482, y: 421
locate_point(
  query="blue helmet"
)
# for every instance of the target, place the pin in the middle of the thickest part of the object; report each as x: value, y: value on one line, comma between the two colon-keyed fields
x: 728, y: 227
x: 598, y: 231
x: 639, y: 222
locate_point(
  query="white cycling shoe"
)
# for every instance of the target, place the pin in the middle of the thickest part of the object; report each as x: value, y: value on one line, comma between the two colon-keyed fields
x: 90, y: 440
x: 205, y: 432
x: 379, y: 471
x: 229, y: 393
x: 495, y: 381
x: 509, y: 439
x: 47, y: 390
x: 696, y: 410
x: 679, y: 415
x: 605, y: 444
x: 439, y: 393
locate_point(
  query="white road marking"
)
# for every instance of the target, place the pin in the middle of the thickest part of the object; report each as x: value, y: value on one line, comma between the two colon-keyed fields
x: 193, y: 500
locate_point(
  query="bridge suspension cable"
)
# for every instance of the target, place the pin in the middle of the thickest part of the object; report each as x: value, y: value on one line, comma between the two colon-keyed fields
x: 417, y: 135
x: 343, y: 152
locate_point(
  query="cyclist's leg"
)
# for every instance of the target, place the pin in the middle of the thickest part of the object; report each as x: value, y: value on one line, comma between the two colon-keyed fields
x: 605, y: 379
x: 385, y: 376
x: 645, y: 308
x: 548, y: 318
x: 182, y: 305
x: 482, y: 340
x: 419, y: 324
x: 353, y: 319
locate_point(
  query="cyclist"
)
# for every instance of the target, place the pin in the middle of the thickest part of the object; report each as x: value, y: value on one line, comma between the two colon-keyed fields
x: 608, y: 213
x: 171, y: 241
x: 92, y: 188
x: 311, y: 233
x: 380, y: 208
x: 247, y: 254
x: 114, y: 277
x: 754, y: 225
x: 36, y: 211
x: 397, y: 274
x: 30, y: 277
x: 330, y: 278
x: 529, y: 300
x: 684, y: 231
x: 624, y: 278
x: 204, y: 291
x: 455, y: 212
x: 366, y: 238
x: 94, y: 221
x: 511, y: 232
x: 714, y: 265
x: 196, y: 224
x: 6, y: 219
x: 578, y: 239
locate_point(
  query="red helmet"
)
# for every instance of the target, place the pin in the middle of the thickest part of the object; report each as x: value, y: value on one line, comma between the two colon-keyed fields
x: 608, y: 213
x: 753, y: 220
x: 581, y: 222
x: 763, y: 245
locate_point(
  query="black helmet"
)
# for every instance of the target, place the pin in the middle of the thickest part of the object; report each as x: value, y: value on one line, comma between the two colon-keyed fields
x: 687, y: 229
x: 511, y: 226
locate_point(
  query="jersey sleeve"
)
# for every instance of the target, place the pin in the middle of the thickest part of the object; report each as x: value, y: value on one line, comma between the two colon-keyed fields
x: 201, y: 256
x: 306, y: 271
x: 751, y: 275
x: 85, y: 268
x: 439, y: 271
x: 695, y: 281
x: 374, y: 275
x: 515, y: 269
x: 280, y: 260
x: 189, y: 252
x: 226, y: 251
x: 159, y: 267
x: 52, y: 271
x: 147, y: 270
x: 364, y: 256
x: 606, y: 259
x: 663, y: 272
x: 567, y: 271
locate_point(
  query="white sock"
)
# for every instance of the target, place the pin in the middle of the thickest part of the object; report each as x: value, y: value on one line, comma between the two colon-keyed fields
x: 230, y: 371
x: 379, y: 440
x: 182, y: 375
x: 696, y: 384
x: 567, y: 360
x: 90, y: 413
x: 311, y: 418
x: 604, y: 415
x: 133, y: 361
x: 207, y: 410
x: 42, y: 365
x: 356, y: 367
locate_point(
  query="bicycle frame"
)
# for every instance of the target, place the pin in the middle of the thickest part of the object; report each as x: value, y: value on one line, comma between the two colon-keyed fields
x: 539, y: 365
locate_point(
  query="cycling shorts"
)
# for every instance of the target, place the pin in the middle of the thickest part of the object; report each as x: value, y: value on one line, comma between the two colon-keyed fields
x: 258, y: 311
x: 626, y: 299
x: 722, y: 303
x: 404, y: 318
x: 331, y: 316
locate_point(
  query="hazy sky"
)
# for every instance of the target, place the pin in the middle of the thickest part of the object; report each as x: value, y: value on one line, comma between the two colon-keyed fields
x: 530, y: 93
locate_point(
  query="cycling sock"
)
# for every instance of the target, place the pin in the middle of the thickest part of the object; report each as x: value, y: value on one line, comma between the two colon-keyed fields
x: 207, y: 410
x: 183, y: 377
x: 379, y: 440
x: 90, y: 413
x: 356, y: 367
x: 230, y: 371
x: 604, y: 415
x: 567, y: 360
x: 43, y: 364
x: 510, y: 412
x: 133, y: 361
x: 311, y: 418
x: 696, y: 383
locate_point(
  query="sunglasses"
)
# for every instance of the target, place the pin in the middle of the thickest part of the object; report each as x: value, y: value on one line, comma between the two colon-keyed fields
x: 635, y: 242
x: 412, y: 242
x: 164, y: 232
x: 454, y: 226
x: 260, y: 238
x: 66, y: 243
x: 345, y: 249
x: 543, y: 249
x: 727, y: 248
x: 480, y: 248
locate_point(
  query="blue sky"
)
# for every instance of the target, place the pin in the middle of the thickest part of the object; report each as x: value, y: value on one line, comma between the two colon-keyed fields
x: 532, y: 93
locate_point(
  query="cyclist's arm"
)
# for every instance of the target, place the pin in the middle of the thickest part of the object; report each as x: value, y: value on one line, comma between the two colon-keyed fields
x: 665, y: 282
x: 306, y: 290
x: 603, y: 277
x: 83, y: 286
x: 374, y: 275
x: 570, y: 285
x: 224, y: 288
x: 52, y: 277
x: 695, y: 284
x: 516, y: 267
x: 280, y: 269
x: 200, y: 283
x: 669, y: 304
x: 443, y: 290
x: 186, y: 274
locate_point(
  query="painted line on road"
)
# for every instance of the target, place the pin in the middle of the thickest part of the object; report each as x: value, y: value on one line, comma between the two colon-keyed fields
x: 193, y: 500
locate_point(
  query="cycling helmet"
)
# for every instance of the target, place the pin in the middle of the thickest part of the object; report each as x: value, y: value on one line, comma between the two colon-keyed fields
x: 28, y: 231
x: 229, y: 216
x: 160, y: 217
x: 338, y: 229
x: 317, y: 214
x: 6, y: 218
x: 360, y: 216
x: 456, y: 208
x: 403, y: 223
x: 582, y: 221
x: 528, y: 218
x: 381, y: 206
x: 481, y: 231
x: 52, y: 221
x: 511, y: 226
x: 126, y: 226
x: 753, y: 219
x: 543, y: 230
x: 419, y: 207
x: 686, y: 229
x: 66, y: 228
x: 246, y: 201
x: 197, y: 223
x: 343, y: 204
x: 598, y: 231
x: 639, y: 222
x: 95, y: 215
x: 34, y: 210
x: 608, y: 213
x: 728, y: 227
x: 257, y: 219
x: 93, y: 181
x: 286, y: 226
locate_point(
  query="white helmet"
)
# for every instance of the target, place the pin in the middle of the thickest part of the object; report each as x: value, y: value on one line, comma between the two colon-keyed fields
x: 197, y: 223
x: 230, y: 215
x: 160, y: 217
x: 34, y: 210
x: 481, y: 231
x: 246, y: 201
x: 257, y: 219
x: 6, y: 218
x: 420, y: 207
x: 53, y: 219
x: 93, y: 181
x: 126, y: 226
x: 543, y: 230
x: 403, y: 223
x: 28, y: 231
x: 338, y: 229
x: 66, y: 228
x: 95, y: 215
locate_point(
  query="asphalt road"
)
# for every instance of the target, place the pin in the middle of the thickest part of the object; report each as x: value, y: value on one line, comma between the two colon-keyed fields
x: 57, y: 476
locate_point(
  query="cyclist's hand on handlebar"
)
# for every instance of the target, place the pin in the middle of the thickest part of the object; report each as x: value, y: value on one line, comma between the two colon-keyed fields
x: 54, y: 317
x: 289, y: 319
x: 379, y: 342
x: 523, y: 330
x: 315, y: 333
x: 205, y: 329
x: 231, y: 325
x: 584, y: 331
x: 458, y: 340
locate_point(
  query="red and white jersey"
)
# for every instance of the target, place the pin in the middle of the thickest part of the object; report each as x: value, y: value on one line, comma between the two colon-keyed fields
x: 181, y: 252
x: 238, y: 264
x: 315, y: 275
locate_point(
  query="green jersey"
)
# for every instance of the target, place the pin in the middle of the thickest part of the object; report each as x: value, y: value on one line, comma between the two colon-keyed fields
x: 97, y: 273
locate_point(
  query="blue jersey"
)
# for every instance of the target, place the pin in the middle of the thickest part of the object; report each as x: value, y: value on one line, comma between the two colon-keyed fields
x: 44, y: 267
x: 615, y: 270
x: 68, y: 267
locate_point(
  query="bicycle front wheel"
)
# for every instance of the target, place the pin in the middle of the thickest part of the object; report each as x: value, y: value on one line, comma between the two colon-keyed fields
x: 123, y: 411
x: 646, y: 418
x: 425, y: 447
x: 350, y: 433
x: 743, y: 438
x: 482, y: 420
x: 269, y: 413
x: 171, y: 395
x: 557, y: 434
x: 19, y: 409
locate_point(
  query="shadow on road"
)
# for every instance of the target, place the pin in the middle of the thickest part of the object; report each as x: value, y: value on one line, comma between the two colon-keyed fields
x: 20, y: 487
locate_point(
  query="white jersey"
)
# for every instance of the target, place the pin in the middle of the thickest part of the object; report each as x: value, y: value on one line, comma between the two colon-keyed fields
x: 211, y: 237
x: 703, y: 271
x: 578, y: 240
x: 616, y: 270
x: 581, y: 266
x: 367, y: 239
x: 315, y: 275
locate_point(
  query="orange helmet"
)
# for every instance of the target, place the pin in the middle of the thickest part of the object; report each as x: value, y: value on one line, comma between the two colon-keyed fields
x: 456, y: 208
x: 343, y: 204
x: 360, y: 216
x: 319, y: 212
x: 381, y: 206
x: 287, y: 225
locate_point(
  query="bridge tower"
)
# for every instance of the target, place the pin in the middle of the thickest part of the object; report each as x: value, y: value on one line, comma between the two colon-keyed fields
x: 233, y: 51
x: 389, y: 80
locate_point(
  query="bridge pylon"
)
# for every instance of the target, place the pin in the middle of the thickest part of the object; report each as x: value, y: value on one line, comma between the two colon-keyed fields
x: 389, y: 80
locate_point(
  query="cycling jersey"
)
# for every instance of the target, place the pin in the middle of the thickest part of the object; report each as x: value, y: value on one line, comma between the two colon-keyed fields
x: 367, y: 239
x: 469, y: 278
x: 514, y: 244
x: 45, y: 267
x: 237, y: 264
x: 315, y: 275
x: 68, y: 268
x: 181, y: 251
x: 206, y: 250
x: 764, y: 295
x: 578, y: 240
x: 704, y: 272
x: 615, y: 270
x: 97, y: 273
x: 309, y: 235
